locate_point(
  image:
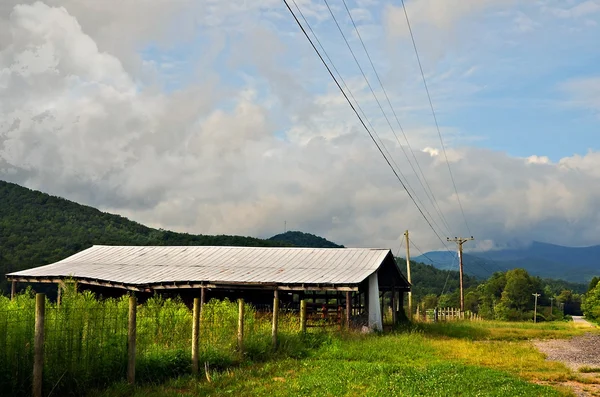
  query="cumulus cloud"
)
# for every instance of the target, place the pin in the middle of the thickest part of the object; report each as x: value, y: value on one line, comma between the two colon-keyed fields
x: 211, y: 158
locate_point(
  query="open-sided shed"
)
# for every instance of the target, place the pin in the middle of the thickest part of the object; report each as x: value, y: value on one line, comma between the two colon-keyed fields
x: 358, y: 277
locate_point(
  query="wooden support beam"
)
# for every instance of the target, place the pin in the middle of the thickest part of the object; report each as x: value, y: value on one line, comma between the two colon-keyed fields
x: 348, y: 308
x: 275, y: 319
x: 303, y: 316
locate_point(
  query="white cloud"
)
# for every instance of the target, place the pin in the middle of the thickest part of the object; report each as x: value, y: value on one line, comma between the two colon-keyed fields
x: 75, y: 122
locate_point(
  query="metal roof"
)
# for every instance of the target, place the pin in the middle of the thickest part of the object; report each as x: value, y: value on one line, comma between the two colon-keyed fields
x: 143, y: 266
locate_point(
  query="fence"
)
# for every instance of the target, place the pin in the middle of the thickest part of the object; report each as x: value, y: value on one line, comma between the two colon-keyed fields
x: 84, y: 343
x: 445, y: 314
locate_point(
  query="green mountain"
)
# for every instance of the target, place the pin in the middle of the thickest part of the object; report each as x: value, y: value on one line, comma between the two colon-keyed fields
x: 37, y: 229
x: 301, y: 239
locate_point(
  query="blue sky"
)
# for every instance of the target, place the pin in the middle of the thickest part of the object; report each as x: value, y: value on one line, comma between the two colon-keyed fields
x: 497, y: 73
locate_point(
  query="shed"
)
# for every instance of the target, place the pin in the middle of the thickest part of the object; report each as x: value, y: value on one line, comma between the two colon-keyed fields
x: 358, y: 276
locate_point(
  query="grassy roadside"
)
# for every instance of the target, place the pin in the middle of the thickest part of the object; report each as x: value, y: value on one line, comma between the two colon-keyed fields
x: 484, y: 358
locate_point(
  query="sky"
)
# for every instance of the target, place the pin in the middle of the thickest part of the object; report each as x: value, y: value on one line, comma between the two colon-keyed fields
x: 214, y: 117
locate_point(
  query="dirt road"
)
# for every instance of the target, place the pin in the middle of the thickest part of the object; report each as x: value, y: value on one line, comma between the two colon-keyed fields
x: 578, y: 353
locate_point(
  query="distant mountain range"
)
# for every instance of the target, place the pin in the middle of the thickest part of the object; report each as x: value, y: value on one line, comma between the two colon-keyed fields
x: 575, y: 264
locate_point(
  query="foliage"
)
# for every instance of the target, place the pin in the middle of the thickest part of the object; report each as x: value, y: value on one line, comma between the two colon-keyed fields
x: 591, y: 303
x: 300, y: 239
x: 37, y: 229
x: 86, y: 340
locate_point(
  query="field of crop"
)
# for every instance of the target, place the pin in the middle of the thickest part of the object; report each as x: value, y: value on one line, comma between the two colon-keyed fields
x: 462, y: 358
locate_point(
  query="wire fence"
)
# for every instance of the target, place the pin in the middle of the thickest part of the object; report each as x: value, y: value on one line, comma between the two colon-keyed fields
x: 86, y: 340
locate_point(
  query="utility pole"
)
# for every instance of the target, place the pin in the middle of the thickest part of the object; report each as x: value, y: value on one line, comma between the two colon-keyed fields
x: 408, y: 275
x: 535, y: 308
x: 459, y: 242
x: 551, y: 305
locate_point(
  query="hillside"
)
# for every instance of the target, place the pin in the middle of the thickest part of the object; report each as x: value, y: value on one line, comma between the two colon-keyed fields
x: 36, y: 229
x: 573, y: 264
x: 301, y: 239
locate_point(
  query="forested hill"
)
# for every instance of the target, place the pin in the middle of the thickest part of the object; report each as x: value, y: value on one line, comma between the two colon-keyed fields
x: 37, y: 229
x: 300, y: 239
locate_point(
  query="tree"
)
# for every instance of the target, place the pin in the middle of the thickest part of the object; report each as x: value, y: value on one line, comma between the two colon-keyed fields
x: 429, y: 302
x: 591, y: 303
x: 518, y: 290
x: 593, y: 283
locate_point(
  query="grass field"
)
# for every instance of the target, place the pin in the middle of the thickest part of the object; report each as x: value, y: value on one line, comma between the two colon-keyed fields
x: 467, y: 359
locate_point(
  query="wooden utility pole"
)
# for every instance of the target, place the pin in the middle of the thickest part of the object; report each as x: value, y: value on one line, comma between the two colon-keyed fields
x: 408, y: 275
x: 551, y: 306
x: 535, y: 308
x: 459, y: 242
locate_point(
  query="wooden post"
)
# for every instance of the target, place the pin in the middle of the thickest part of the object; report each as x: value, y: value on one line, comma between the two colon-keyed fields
x: 394, y: 319
x: 240, y: 335
x: 348, y: 308
x: 303, y: 316
x: 131, y: 337
x: 275, y: 316
x: 58, y: 293
x: 195, y: 334
x: 38, y: 344
x: 13, y: 290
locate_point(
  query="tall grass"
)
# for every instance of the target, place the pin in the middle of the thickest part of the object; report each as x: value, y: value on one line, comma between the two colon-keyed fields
x: 86, y: 340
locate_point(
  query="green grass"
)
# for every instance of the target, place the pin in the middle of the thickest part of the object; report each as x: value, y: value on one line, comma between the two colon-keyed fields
x: 462, y: 358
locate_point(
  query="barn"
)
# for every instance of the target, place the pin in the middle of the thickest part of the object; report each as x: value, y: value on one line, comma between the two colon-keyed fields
x: 362, y: 281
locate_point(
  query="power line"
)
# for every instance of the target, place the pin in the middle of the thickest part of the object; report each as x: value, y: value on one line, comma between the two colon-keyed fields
x: 382, y: 111
x: 360, y: 118
x: 431, y: 198
x: 434, y: 115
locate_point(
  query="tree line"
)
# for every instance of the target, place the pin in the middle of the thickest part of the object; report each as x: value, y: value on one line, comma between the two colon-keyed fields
x: 503, y: 296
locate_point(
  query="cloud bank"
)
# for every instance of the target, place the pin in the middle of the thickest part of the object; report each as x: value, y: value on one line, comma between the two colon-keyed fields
x: 84, y: 116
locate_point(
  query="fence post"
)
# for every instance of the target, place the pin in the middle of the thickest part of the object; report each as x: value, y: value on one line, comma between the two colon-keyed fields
x: 195, y: 334
x: 38, y: 344
x: 275, y: 316
x: 303, y: 316
x: 240, y: 335
x: 131, y: 337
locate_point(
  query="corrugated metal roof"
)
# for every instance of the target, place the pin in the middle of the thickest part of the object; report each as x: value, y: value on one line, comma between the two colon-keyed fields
x: 135, y: 265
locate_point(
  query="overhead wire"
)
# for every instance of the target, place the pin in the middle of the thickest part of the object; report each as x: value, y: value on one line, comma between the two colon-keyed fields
x: 361, y: 119
x: 434, y: 114
x: 382, y: 111
x: 428, y: 191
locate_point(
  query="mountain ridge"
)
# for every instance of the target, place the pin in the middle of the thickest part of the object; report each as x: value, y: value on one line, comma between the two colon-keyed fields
x: 575, y: 264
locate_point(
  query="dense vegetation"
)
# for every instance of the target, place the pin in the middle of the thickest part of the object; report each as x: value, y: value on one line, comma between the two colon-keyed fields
x: 504, y: 296
x: 86, y: 340
x: 37, y: 229
x: 300, y: 239
x: 591, y: 301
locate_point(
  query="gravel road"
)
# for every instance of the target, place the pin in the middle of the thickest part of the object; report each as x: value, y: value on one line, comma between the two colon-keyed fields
x: 579, y: 351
